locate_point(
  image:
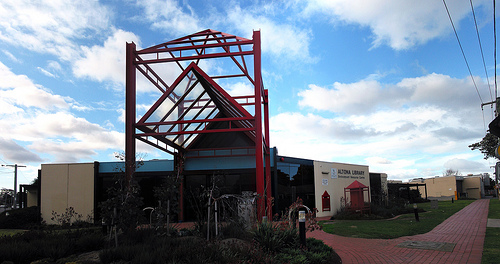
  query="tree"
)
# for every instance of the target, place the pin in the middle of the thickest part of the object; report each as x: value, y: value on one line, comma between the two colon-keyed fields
x: 6, y: 196
x: 451, y: 172
x: 123, y: 207
x: 487, y: 145
x: 168, y: 196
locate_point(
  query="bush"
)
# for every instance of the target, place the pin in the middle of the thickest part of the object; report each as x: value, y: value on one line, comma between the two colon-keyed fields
x: 24, y: 218
x: 35, y: 245
x: 147, y: 247
x: 274, y: 238
x: 234, y: 229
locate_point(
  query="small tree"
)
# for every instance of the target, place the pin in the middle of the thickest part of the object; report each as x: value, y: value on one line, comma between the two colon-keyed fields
x: 451, y: 172
x: 487, y: 145
x: 123, y: 207
x: 168, y: 195
x: 6, y: 197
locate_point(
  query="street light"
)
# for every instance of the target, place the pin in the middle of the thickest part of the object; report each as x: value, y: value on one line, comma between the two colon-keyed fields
x: 302, y: 227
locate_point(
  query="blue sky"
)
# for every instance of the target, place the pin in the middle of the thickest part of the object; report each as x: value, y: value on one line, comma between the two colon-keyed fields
x: 380, y: 83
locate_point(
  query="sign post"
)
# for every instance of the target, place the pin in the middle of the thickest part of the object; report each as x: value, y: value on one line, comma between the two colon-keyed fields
x: 415, y: 209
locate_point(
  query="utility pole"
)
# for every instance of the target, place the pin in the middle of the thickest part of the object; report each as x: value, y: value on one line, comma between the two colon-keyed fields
x: 495, y: 125
x: 15, y: 181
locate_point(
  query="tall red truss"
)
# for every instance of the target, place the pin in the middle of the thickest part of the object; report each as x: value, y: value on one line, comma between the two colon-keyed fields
x: 194, y: 116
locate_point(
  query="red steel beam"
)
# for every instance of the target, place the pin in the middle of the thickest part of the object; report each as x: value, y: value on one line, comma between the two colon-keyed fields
x: 205, y: 56
x: 257, y: 126
x: 267, y: 155
x: 259, y: 159
x: 195, y: 121
x: 205, y: 131
x: 130, y: 111
x: 202, y: 46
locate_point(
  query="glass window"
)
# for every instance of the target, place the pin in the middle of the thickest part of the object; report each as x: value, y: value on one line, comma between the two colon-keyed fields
x: 295, y: 180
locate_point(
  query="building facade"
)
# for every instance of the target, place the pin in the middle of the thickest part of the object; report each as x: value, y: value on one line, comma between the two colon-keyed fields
x: 448, y: 187
x: 82, y: 186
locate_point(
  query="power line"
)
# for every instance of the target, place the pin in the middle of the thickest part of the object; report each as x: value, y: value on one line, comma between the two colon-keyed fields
x: 495, y: 50
x: 481, y: 48
x: 463, y: 53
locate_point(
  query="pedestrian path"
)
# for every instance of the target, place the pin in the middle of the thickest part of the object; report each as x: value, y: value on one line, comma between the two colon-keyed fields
x: 459, y: 239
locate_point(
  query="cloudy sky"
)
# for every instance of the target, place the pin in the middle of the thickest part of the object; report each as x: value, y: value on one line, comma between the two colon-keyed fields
x: 380, y: 83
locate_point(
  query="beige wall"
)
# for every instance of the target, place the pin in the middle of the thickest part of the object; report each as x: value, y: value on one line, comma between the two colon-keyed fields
x: 472, y: 186
x: 324, y: 180
x: 67, y: 185
x: 440, y: 188
x: 31, y: 198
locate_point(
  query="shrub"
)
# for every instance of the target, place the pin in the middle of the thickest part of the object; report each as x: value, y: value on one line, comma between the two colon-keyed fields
x: 24, y: 218
x: 274, y: 238
x: 316, y: 252
x: 147, y: 247
x: 234, y: 229
x: 35, y: 245
x: 65, y: 219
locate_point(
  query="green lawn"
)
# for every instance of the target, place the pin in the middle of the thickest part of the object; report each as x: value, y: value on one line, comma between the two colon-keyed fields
x: 405, y: 225
x: 9, y: 232
x: 494, y: 210
x: 491, y: 250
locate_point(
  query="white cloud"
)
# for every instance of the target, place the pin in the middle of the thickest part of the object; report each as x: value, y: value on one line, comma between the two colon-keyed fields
x: 391, y: 127
x: 169, y: 16
x: 47, y: 73
x: 54, y: 66
x: 343, y: 97
x: 107, y: 62
x: 279, y: 39
x: 378, y: 160
x: 465, y: 166
x: 11, y: 56
x: 399, y: 24
x: 13, y: 151
x: 239, y: 89
x: 366, y: 96
x: 21, y: 91
x: 35, y: 123
x: 51, y: 26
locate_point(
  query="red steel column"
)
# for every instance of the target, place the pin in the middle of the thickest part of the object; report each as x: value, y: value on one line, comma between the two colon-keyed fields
x: 130, y: 101
x: 267, y: 156
x: 259, y: 159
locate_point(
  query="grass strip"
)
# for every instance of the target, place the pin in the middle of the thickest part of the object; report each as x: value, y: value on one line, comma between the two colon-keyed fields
x: 10, y: 232
x: 494, y: 210
x: 491, y: 249
x: 404, y: 225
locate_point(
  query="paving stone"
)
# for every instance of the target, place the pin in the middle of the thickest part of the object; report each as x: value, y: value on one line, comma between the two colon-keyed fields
x: 429, y: 245
x: 461, y: 238
x: 493, y: 222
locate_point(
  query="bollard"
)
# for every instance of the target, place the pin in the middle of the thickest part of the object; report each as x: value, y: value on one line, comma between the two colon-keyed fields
x: 302, y: 227
x: 415, y: 209
x: 452, y: 200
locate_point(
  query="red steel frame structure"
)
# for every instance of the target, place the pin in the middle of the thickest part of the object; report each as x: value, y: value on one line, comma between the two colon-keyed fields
x: 194, y: 104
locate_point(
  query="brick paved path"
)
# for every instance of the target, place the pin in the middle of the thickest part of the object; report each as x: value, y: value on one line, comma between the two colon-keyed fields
x: 466, y: 229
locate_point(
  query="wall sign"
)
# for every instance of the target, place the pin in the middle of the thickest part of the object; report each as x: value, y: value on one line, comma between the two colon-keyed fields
x: 334, y: 173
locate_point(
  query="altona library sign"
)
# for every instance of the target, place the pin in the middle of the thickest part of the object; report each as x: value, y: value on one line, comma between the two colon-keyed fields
x: 346, y: 174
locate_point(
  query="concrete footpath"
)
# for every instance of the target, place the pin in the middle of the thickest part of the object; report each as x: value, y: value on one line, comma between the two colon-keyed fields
x: 459, y: 239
